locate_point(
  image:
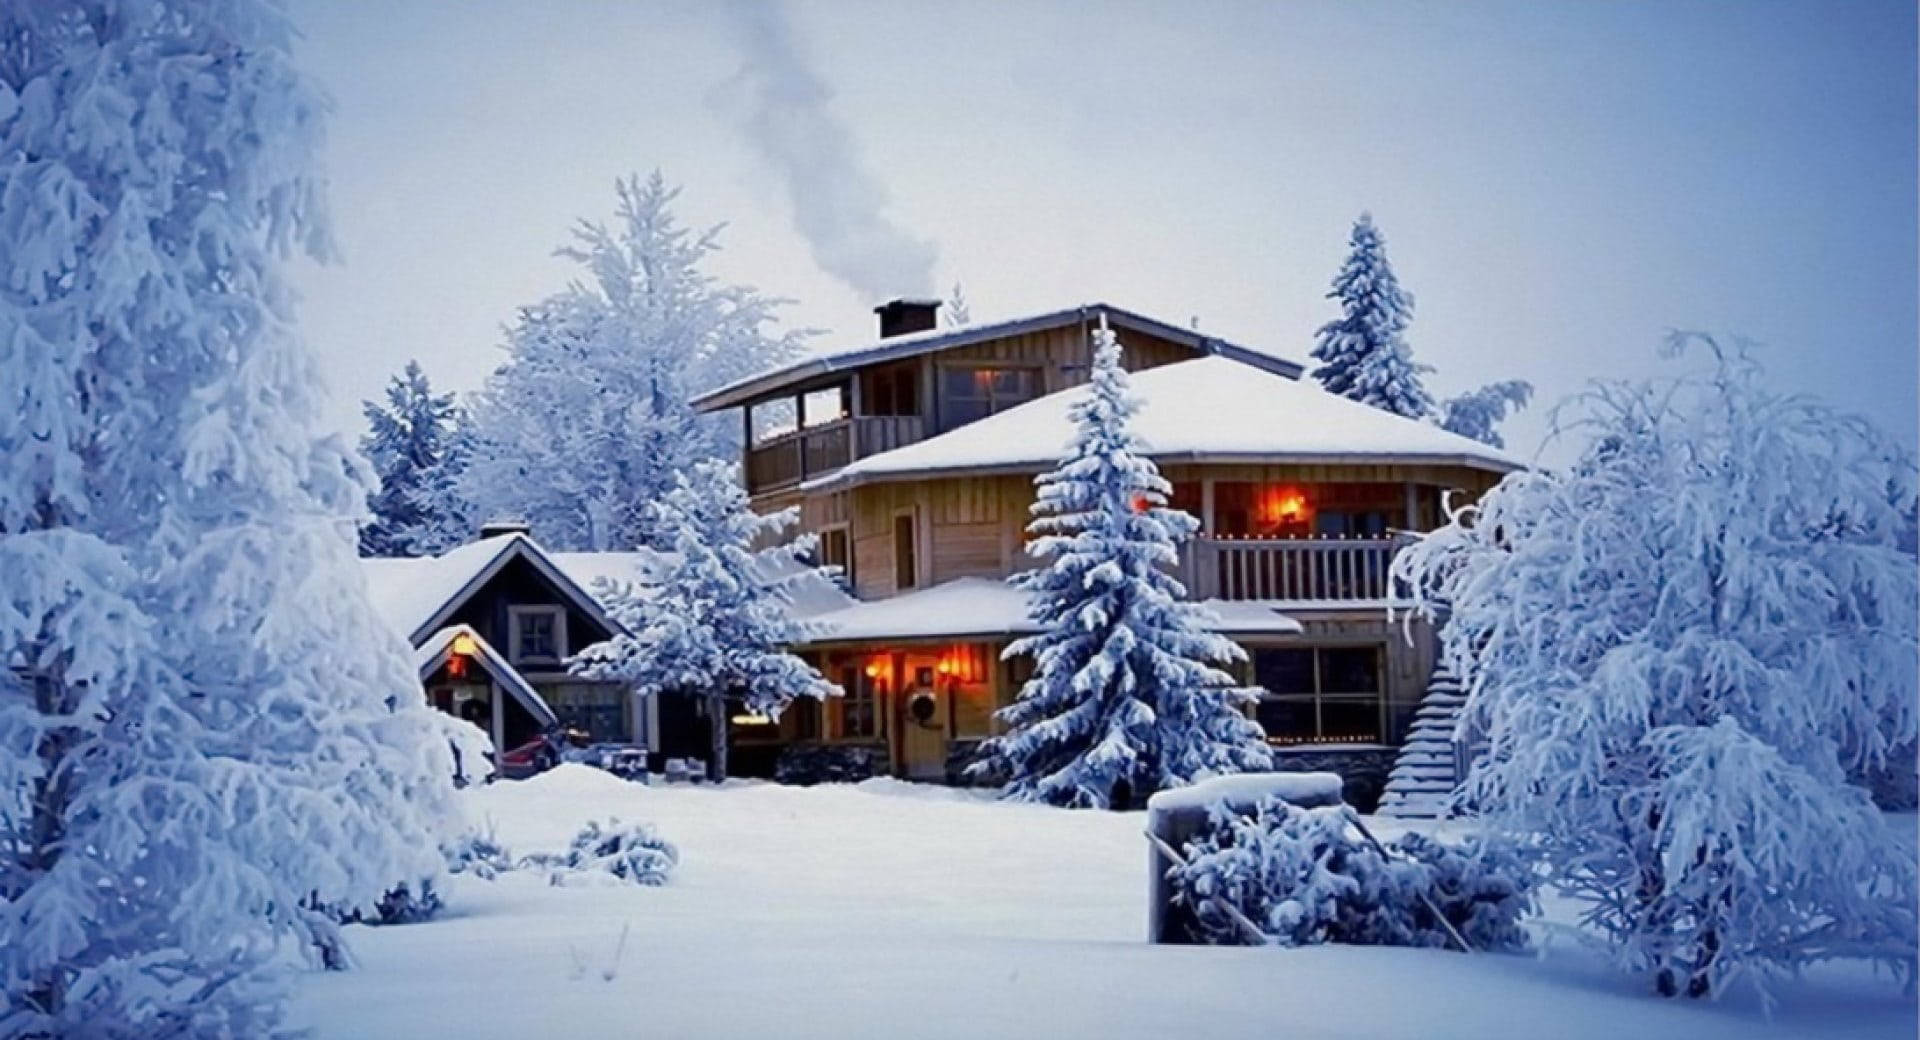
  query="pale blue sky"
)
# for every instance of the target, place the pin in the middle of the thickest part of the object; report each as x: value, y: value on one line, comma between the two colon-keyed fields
x: 1558, y: 183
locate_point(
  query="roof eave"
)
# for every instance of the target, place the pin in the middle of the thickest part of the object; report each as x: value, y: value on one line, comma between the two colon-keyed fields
x: 845, y: 482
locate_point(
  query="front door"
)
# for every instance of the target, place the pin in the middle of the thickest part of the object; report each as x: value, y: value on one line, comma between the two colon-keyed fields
x: 923, y: 724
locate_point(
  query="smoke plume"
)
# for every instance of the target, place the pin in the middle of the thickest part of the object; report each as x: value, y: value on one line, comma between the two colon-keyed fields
x: 782, y: 105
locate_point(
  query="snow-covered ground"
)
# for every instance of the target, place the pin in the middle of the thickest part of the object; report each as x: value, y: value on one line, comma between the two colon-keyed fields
x: 893, y: 910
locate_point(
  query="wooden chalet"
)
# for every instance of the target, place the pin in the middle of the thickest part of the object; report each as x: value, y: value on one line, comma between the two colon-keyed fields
x: 912, y: 459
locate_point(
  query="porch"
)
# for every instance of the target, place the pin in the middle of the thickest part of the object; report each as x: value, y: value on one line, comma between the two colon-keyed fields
x: 1290, y: 570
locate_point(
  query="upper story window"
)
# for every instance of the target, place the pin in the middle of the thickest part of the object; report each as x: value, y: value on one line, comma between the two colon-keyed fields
x: 894, y: 390
x: 967, y: 394
x: 537, y: 634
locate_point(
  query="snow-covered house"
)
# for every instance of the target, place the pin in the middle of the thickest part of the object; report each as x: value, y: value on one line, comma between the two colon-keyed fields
x: 912, y: 458
x: 492, y: 623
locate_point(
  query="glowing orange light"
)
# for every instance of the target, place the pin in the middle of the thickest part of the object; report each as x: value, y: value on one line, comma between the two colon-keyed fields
x: 945, y: 667
x: 1140, y: 504
x: 464, y: 645
x: 1283, y: 505
x: 873, y: 670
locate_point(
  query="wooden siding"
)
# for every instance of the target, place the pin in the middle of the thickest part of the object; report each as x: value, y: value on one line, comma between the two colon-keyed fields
x: 1063, y: 357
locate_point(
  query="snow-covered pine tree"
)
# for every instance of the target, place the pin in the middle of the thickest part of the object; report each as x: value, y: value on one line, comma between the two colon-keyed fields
x: 588, y: 418
x: 418, y: 449
x: 1478, y: 413
x: 1126, y: 695
x: 1364, y: 354
x: 958, y: 313
x: 204, y: 727
x: 717, y: 621
x: 1679, y: 649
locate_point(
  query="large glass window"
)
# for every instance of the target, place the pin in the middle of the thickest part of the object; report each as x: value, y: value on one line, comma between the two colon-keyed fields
x: 1324, y: 694
x: 967, y: 394
x: 538, y: 634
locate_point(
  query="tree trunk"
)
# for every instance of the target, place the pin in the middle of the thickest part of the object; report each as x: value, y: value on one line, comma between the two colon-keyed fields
x: 717, y: 726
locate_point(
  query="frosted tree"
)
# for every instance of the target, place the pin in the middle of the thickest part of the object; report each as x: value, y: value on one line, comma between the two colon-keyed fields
x: 1479, y: 413
x: 715, y: 622
x: 1126, y: 697
x: 588, y: 418
x: 958, y: 313
x: 1364, y: 354
x: 1679, y: 649
x: 209, y: 743
x: 418, y: 449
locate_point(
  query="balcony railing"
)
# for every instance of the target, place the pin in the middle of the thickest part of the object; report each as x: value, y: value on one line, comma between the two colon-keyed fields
x: 800, y: 455
x: 1302, y: 570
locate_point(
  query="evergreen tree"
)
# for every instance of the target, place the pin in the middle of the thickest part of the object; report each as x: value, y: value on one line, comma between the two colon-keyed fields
x: 418, y: 448
x: 1364, y: 355
x: 205, y: 730
x: 588, y: 419
x: 1681, y: 649
x: 1125, y: 699
x: 1479, y: 413
x: 716, y: 623
x: 958, y: 313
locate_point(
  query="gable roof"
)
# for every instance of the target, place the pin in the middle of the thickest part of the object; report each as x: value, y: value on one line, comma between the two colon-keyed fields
x: 439, y: 647
x: 1206, y: 410
x: 800, y: 373
x: 417, y: 596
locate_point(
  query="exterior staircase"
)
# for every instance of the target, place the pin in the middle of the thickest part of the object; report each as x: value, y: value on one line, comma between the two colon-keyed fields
x: 1426, y: 772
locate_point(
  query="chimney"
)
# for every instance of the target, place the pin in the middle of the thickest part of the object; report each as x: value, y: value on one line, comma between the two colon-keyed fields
x: 496, y: 528
x: 903, y: 316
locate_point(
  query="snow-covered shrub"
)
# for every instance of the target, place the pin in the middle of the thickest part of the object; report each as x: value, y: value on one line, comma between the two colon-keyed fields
x: 632, y: 852
x: 1305, y: 876
x: 479, y: 853
x: 1680, y: 650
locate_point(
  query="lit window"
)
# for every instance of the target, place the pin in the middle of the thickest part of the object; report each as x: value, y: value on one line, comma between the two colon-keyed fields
x: 968, y: 394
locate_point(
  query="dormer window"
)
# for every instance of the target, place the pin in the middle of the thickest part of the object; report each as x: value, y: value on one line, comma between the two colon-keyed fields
x: 538, y: 635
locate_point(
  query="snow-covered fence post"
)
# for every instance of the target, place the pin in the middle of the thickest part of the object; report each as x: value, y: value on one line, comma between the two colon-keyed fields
x: 1175, y: 816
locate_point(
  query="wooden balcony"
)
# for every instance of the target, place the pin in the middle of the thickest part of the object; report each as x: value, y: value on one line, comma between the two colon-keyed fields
x: 1298, y: 570
x: 790, y: 458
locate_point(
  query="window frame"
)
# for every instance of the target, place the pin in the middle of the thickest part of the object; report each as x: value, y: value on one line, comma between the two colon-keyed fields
x: 857, y: 690
x: 1320, y: 696
x: 845, y: 534
x: 995, y: 405
x: 516, y: 613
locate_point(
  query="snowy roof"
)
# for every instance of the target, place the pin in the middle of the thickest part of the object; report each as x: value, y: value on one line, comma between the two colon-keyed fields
x: 439, y: 647
x: 799, y: 373
x: 1207, y: 409
x: 415, y: 596
x: 980, y: 607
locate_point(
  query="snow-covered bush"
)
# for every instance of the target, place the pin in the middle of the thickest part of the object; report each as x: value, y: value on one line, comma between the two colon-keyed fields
x: 1126, y: 696
x: 631, y: 852
x: 1305, y: 876
x: 477, y: 852
x: 1680, y: 649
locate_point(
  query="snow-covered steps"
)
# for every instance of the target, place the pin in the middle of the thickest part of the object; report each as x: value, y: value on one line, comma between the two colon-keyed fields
x: 1425, y: 772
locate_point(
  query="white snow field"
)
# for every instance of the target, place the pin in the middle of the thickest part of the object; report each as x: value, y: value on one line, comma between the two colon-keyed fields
x: 886, y: 909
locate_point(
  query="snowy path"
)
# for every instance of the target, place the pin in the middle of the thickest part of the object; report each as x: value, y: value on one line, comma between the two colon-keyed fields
x: 893, y: 911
